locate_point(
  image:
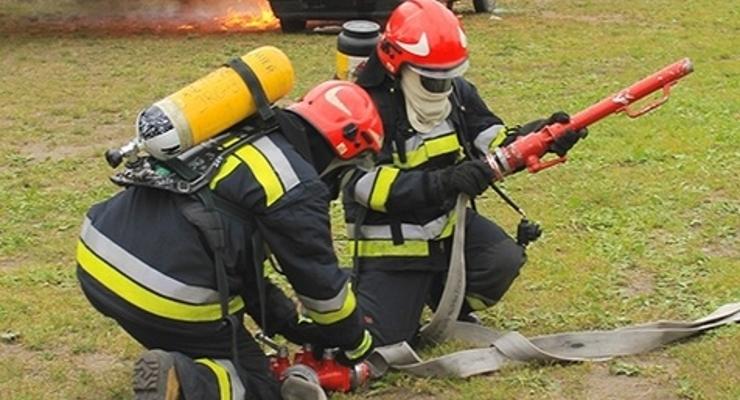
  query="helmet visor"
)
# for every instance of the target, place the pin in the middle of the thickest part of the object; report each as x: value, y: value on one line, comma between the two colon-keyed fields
x: 436, y: 85
x: 441, y: 73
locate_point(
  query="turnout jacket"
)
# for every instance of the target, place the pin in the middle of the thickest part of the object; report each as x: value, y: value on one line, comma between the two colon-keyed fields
x: 403, y: 214
x: 139, y: 245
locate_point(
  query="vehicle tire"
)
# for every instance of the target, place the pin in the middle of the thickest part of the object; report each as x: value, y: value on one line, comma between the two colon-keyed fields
x: 292, y: 25
x: 484, y: 6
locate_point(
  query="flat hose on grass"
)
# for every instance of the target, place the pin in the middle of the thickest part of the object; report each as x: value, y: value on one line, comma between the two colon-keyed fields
x: 494, y: 348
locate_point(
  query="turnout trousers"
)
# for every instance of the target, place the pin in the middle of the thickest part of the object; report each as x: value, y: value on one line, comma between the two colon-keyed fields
x: 392, y: 295
x: 202, y: 350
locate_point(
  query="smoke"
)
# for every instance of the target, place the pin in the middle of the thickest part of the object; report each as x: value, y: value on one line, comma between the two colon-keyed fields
x: 191, y: 9
x: 158, y: 16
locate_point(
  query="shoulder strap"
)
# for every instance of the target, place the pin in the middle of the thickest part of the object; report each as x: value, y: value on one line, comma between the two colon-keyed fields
x: 254, y: 87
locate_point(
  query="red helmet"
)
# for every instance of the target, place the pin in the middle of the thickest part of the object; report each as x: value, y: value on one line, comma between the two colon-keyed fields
x: 427, y: 36
x: 345, y: 115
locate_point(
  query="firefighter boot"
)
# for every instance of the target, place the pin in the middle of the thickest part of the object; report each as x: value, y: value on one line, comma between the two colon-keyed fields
x: 155, y: 377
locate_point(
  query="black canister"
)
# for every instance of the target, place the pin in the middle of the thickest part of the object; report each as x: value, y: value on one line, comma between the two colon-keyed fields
x: 355, y: 43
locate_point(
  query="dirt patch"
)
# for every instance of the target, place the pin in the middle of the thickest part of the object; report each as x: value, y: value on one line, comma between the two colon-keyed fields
x: 725, y: 247
x: 637, y: 281
x: 30, y: 360
x: 105, y: 137
x: 590, y: 19
x: 600, y: 384
x: 402, y: 393
x: 9, y: 264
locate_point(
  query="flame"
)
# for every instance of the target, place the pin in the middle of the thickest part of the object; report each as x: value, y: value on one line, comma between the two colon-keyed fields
x: 196, y: 16
x: 236, y: 20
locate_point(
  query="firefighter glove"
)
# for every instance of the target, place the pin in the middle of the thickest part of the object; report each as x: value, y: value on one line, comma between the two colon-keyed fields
x: 564, y: 143
x: 469, y: 177
x: 302, y: 332
x: 567, y: 141
x: 534, y: 126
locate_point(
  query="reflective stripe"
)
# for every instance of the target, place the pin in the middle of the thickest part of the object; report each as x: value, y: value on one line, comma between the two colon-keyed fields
x: 364, y: 187
x: 386, y: 248
x: 359, y: 351
x: 382, y: 188
x: 278, y: 160
x: 230, y: 386
x: 429, y: 149
x: 268, y: 164
x: 263, y: 172
x: 449, y: 227
x: 140, y: 272
x: 141, y: 297
x: 323, y: 306
x: 226, y: 169
x: 443, y: 128
x: 490, y: 137
x: 431, y: 230
x: 326, y: 318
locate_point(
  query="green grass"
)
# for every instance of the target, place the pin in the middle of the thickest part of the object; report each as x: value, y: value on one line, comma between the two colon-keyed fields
x: 641, y: 223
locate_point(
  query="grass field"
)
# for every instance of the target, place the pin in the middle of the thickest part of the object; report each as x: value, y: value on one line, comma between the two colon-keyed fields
x: 641, y: 224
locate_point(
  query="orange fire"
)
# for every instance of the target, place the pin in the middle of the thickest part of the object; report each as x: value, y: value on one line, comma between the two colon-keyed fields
x: 197, y: 16
x: 240, y: 20
x: 240, y: 16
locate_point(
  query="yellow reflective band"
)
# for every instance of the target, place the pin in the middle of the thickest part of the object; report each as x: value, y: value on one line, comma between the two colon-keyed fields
x: 386, y: 248
x: 226, y: 169
x: 335, y: 316
x: 382, y: 188
x: 144, y: 299
x: 367, y: 341
x: 449, y: 225
x: 222, y: 375
x: 500, y: 137
x: 430, y: 148
x: 263, y: 172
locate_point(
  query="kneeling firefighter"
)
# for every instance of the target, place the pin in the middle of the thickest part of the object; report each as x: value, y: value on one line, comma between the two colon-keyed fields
x: 176, y: 258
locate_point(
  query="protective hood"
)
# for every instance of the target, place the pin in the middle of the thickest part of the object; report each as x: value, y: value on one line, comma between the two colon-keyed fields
x: 425, y: 109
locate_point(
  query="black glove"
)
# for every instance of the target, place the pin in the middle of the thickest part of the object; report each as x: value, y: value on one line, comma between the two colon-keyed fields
x: 567, y: 141
x: 564, y: 143
x: 559, y: 117
x: 469, y: 177
x: 302, y: 332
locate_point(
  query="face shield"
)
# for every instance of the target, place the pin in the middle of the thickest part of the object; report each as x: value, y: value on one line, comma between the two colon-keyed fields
x: 438, y: 80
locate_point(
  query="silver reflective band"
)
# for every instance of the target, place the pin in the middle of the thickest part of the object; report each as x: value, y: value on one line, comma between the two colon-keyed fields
x: 142, y: 273
x: 237, y: 387
x: 279, y: 162
x: 364, y: 187
x: 328, y: 305
x: 483, y: 141
x: 430, y: 230
x: 416, y: 141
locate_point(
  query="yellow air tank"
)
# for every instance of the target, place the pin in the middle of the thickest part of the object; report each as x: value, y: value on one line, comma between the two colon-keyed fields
x: 211, y: 104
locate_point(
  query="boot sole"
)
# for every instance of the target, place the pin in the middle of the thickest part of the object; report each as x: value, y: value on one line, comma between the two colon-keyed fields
x: 155, y: 377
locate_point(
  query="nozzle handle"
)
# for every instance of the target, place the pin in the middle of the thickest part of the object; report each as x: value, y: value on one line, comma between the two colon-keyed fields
x: 114, y: 157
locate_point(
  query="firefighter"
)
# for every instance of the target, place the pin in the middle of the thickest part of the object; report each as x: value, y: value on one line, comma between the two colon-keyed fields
x: 144, y: 263
x: 400, y: 213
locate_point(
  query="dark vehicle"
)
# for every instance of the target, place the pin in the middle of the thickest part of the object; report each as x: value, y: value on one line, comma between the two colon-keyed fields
x: 293, y: 14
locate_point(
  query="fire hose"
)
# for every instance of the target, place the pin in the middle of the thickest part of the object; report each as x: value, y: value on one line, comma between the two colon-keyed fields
x: 494, y: 349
